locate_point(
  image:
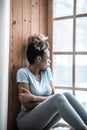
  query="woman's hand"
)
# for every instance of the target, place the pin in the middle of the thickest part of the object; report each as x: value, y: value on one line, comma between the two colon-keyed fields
x: 26, y: 96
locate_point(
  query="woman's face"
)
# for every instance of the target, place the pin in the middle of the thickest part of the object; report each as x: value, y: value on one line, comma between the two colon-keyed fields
x: 45, y: 60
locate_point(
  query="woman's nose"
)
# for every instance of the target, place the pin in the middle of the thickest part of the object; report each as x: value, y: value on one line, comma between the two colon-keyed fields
x: 49, y: 61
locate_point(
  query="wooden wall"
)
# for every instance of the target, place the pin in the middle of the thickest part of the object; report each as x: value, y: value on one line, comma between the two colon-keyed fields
x: 27, y: 17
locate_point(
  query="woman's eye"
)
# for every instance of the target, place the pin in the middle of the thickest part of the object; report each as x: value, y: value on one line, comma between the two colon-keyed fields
x: 49, y: 61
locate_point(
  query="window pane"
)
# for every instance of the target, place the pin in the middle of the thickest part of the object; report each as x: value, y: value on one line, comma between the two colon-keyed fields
x: 81, y: 71
x: 63, y: 35
x: 81, y: 34
x: 62, y: 91
x: 62, y: 8
x: 62, y: 70
x: 81, y: 6
x: 81, y: 96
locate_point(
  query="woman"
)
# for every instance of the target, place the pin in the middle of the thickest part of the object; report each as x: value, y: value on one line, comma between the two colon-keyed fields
x: 40, y: 107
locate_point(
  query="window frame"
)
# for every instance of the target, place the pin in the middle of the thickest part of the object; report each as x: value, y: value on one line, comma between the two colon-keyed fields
x: 74, y: 53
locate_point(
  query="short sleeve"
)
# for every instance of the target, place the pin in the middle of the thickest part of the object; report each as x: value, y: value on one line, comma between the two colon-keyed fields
x: 49, y: 74
x: 22, y: 76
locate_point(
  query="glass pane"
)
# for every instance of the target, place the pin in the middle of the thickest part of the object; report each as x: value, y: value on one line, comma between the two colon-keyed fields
x: 60, y: 127
x: 62, y: 8
x: 62, y: 70
x: 81, y: 34
x: 62, y: 91
x: 81, y: 71
x: 63, y: 35
x: 81, y: 6
x: 81, y: 96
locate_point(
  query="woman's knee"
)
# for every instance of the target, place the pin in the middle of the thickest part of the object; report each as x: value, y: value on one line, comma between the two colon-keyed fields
x: 67, y: 94
x: 59, y: 97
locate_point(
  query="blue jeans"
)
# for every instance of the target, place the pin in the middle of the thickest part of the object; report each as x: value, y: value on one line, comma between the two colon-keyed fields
x: 49, y: 112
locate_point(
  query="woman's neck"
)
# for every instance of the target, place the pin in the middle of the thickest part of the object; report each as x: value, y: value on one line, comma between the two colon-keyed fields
x: 34, y: 70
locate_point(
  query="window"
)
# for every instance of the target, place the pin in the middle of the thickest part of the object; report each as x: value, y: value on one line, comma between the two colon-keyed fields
x: 70, y: 47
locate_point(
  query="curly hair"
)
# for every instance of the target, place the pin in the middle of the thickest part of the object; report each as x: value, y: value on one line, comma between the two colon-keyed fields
x: 37, y: 44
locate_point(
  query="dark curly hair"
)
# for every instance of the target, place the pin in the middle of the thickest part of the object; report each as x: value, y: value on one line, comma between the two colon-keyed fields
x: 37, y: 44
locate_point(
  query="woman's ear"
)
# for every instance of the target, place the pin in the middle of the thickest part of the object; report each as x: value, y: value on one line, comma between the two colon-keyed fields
x: 38, y: 59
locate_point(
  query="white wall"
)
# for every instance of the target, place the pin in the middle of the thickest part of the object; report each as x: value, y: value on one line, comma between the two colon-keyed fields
x: 4, y: 60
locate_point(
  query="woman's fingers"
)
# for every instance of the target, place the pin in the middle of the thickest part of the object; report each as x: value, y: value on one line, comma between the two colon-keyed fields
x: 25, y: 90
x: 23, y: 97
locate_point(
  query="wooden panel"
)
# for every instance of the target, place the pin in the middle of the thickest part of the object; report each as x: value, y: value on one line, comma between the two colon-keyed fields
x: 35, y: 16
x: 13, y: 100
x: 27, y: 17
x: 17, y: 51
x: 10, y: 78
x: 17, y: 32
x: 43, y: 16
x: 15, y: 103
x: 50, y: 26
x: 15, y: 61
x: 26, y: 27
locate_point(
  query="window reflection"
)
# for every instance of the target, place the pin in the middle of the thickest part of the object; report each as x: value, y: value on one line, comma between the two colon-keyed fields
x: 81, y: 96
x: 81, y: 6
x: 62, y: 70
x: 63, y: 35
x: 69, y: 42
x: 81, y: 71
x: 65, y: 5
x: 81, y: 34
x: 62, y: 91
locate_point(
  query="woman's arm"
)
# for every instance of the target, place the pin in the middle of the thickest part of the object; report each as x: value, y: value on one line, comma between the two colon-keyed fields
x: 27, y: 98
x: 30, y: 105
x: 53, y: 88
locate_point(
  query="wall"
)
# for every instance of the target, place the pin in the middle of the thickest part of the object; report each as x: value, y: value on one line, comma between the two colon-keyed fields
x: 27, y: 17
x: 4, y: 60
